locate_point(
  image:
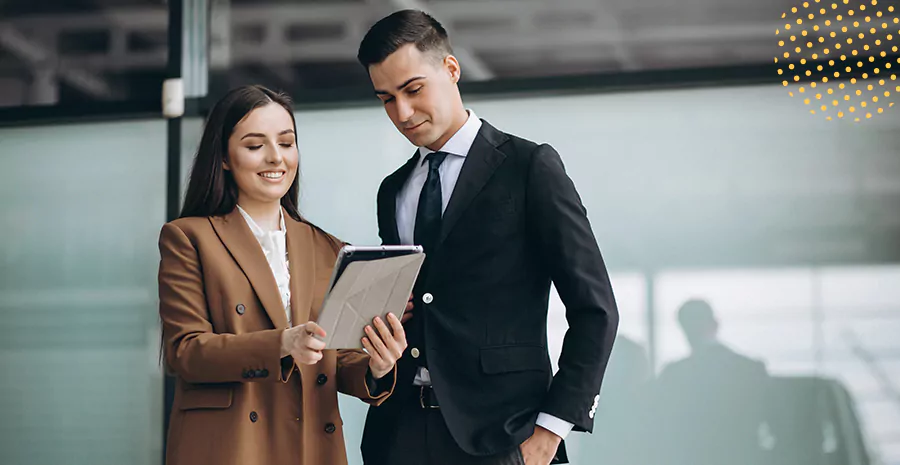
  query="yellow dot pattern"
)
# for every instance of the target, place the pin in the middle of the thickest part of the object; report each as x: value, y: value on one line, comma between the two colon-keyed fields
x: 854, y: 28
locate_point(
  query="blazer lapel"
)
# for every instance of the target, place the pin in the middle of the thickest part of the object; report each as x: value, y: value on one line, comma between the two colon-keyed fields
x: 243, y: 246
x: 394, y: 183
x: 481, y: 162
x: 301, y: 261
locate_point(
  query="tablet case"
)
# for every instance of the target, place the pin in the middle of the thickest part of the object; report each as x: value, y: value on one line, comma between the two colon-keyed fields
x: 367, y: 289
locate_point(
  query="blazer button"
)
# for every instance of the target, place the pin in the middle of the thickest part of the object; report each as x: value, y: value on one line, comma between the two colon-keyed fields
x: 414, y: 352
x: 240, y: 309
x: 428, y: 298
x: 321, y: 379
x: 254, y: 417
x: 329, y: 428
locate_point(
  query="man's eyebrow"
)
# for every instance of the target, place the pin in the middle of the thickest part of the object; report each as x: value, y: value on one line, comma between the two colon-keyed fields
x: 401, y: 86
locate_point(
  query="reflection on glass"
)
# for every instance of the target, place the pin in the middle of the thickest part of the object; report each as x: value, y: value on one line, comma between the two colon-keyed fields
x: 59, y: 52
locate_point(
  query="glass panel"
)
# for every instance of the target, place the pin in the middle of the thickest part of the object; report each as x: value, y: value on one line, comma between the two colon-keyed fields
x: 79, y: 339
x: 861, y: 307
x: 62, y: 52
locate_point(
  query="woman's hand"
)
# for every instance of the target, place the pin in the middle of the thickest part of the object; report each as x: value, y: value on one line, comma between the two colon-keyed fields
x: 300, y: 342
x: 384, y: 346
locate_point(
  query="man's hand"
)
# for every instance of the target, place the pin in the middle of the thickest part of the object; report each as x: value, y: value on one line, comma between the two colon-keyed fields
x: 385, y: 346
x: 540, y: 448
x: 407, y: 314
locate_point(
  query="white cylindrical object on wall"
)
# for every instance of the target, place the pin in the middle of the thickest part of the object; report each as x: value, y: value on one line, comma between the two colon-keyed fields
x: 173, y: 98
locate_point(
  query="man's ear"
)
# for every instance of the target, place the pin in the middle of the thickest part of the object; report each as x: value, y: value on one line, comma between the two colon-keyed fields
x: 451, y: 64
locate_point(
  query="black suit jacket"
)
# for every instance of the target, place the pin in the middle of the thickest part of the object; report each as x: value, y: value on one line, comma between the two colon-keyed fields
x: 513, y: 224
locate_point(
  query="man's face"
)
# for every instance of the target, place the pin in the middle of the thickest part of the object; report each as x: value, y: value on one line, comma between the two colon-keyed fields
x: 419, y: 94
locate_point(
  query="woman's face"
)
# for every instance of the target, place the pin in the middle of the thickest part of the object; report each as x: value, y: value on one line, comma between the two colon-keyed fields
x: 262, y: 155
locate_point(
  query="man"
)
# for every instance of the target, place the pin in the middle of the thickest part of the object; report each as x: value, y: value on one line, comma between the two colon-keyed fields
x: 499, y: 220
x: 711, y: 404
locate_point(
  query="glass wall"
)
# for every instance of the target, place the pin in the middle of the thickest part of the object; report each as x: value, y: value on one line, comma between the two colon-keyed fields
x: 79, y: 342
x: 779, y: 219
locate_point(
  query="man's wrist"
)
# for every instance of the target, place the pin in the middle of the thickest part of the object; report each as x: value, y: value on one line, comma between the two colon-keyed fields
x: 555, y: 425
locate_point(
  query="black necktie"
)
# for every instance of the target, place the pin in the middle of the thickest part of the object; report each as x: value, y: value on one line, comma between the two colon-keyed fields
x: 428, y: 215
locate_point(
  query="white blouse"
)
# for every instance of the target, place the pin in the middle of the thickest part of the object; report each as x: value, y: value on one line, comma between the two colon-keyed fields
x: 274, y: 246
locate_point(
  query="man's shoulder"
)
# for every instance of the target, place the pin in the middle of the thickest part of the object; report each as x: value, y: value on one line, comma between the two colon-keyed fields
x: 507, y: 141
x: 513, y: 145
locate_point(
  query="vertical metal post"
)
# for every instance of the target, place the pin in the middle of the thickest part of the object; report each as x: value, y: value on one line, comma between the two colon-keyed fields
x: 173, y: 172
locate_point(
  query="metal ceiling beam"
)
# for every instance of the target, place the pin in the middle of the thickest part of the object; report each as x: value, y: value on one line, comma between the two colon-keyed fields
x: 521, y: 33
x: 46, y: 65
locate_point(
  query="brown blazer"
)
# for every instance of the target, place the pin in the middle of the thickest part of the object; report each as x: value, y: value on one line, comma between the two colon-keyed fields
x: 236, y: 401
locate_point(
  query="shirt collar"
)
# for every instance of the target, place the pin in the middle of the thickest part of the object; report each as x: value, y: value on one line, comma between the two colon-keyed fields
x: 462, y: 141
x: 257, y: 230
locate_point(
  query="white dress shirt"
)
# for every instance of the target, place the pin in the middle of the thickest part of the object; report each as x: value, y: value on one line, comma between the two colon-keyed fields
x: 408, y: 203
x: 274, y: 246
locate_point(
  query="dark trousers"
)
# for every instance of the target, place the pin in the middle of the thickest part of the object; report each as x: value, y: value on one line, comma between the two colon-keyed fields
x: 422, y: 438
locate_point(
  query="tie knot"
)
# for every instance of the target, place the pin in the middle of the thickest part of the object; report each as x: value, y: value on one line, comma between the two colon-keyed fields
x: 435, y: 159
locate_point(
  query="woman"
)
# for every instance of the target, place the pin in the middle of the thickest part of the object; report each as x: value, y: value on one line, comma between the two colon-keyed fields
x: 241, y: 278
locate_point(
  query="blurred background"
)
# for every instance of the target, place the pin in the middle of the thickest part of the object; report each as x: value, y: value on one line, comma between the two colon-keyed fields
x: 754, y: 248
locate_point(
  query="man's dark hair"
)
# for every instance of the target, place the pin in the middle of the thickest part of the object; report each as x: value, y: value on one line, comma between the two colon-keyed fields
x: 401, y: 28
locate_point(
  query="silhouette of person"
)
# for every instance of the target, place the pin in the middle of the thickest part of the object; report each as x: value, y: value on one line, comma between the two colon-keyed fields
x: 710, y: 404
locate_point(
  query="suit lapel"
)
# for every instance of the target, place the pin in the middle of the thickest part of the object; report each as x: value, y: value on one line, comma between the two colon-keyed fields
x: 301, y: 261
x: 393, y: 184
x: 235, y: 234
x: 481, y: 162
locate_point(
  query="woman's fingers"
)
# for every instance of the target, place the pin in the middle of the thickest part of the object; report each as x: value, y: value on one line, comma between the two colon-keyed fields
x: 399, y: 332
x: 314, y: 329
x: 377, y: 340
x: 374, y: 356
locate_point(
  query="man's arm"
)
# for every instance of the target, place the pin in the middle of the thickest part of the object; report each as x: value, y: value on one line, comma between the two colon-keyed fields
x: 558, y: 222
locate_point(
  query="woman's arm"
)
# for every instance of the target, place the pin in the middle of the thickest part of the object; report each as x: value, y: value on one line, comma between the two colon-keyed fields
x: 192, y: 350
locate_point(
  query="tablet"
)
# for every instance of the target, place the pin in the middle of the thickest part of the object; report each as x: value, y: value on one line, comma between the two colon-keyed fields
x: 351, y: 253
x: 367, y: 282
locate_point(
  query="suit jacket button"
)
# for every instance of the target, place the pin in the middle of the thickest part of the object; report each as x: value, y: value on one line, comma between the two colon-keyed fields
x: 321, y: 379
x: 414, y: 352
x: 329, y: 428
x: 254, y: 417
x: 240, y: 309
x: 428, y: 298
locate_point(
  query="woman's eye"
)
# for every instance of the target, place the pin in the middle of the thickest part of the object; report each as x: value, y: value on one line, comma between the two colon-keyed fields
x: 254, y: 147
x: 287, y: 145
